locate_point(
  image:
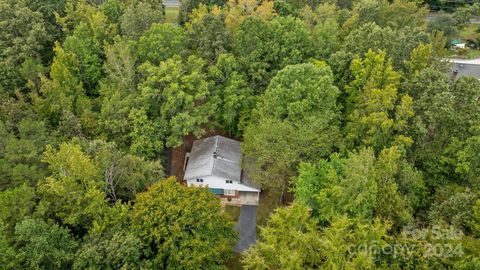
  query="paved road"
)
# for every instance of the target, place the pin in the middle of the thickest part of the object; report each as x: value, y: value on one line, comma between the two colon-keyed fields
x: 466, y: 70
x: 475, y: 61
x: 433, y: 15
x: 171, y: 3
x: 246, y: 226
x: 465, y: 67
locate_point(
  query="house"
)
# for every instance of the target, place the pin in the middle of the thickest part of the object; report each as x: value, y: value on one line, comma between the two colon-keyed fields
x: 457, y: 44
x: 215, y: 162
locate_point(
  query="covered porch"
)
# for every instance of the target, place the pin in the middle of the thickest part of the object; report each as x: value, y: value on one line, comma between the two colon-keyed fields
x: 243, y: 198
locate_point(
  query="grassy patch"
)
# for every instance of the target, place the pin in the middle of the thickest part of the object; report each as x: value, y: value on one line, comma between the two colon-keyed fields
x: 465, y: 54
x: 269, y: 201
x: 171, y: 14
x: 471, y: 54
x: 232, y: 212
x: 235, y: 262
x: 469, y: 32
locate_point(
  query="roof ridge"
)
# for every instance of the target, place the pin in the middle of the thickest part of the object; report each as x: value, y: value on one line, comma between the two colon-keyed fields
x: 214, y: 154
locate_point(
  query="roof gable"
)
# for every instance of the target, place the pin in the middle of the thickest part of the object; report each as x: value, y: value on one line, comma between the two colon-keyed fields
x: 218, y: 156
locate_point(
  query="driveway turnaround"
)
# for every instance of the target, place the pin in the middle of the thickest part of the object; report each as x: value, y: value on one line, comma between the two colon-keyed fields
x: 246, y: 227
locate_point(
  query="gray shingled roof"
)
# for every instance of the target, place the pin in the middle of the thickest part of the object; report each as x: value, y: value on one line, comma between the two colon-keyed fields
x: 217, y: 156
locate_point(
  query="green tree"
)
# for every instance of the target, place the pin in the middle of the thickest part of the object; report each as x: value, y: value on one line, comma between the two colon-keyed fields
x: 175, y: 94
x: 421, y: 58
x: 188, y: 6
x: 171, y: 218
x: 377, y: 115
x: 464, y: 158
x: 82, y: 12
x: 110, y: 244
x: 118, y: 93
x: 290, y: 240
x: 361, y: 186
x: 476, y: 217
x: 238, y: 11
x: 16, y: 204
x: 291, y: 42
x: 123, y: 175
x: 300, y: 90
x: 263, y: 48
x: 406, y: 14
x: 344, y: 242
x: 160, y: 42
x: 292, y: 7
x: 15, y: 110
x: 230, y: 92
x: 325, y: 31
x: 447, y: 129
x: 20, y: 153
x: 23, y: 36
x: 140, y: 15
x: 146, y: 136
x: 453, y: 205
x: 113, y: 9
x: 43, y: 246
x: 63, y: 94
x: 11, y: 80
x: 398, y: 14
x: 297, y: 119
x: 7, y: 252
x: 365, y: 37
x: 397, y: 43
x: 444, y: 23
x: 463, y: 14
x: 73, y: 194
x: 23, y: 32
x: 208, y: 35
x: 390, y: 203
x: 88, y: 53
x: 340, y: 186
x: 325, y: 38
x: 121, y: 251
x: 50, y: 9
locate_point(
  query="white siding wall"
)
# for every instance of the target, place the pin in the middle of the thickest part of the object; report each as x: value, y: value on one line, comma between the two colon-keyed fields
x: 220, y: 183
x: 245, y: 198
x: 211, y: 181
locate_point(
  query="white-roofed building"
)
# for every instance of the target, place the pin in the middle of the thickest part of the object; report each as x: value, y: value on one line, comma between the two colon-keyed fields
x: 216, y: 162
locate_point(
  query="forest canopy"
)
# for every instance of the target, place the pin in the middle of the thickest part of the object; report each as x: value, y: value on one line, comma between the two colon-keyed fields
x: 350, y: 120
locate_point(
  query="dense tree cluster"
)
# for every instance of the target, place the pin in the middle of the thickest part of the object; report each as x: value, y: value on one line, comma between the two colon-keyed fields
x: 348, y: 105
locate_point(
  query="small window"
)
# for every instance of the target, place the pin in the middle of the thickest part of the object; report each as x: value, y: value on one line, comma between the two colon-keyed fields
x: 229, y: 181
x: 229, y: 192
x: 199, y: 180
